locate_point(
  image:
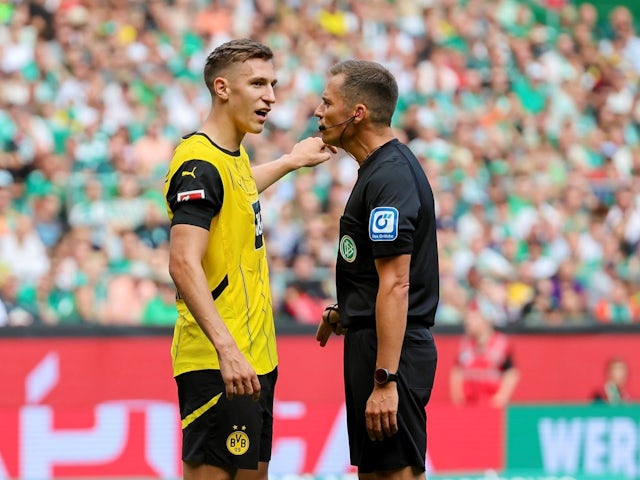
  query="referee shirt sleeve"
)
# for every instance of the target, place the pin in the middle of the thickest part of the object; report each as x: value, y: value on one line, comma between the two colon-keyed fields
x: 195, y: 194
x: 392, y: 186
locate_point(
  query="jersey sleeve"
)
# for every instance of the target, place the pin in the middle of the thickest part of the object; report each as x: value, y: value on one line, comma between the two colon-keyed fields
x: 508, y: 361
x: 195, y: 194
x: 393, y: 204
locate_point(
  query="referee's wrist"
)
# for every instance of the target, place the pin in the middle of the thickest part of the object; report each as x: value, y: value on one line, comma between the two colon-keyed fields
x: 328, y: 310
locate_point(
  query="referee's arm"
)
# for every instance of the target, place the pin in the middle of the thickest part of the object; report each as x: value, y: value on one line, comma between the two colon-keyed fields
x: 392, y: 304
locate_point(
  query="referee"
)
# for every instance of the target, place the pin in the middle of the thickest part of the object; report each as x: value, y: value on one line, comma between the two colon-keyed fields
x: 386, y: 276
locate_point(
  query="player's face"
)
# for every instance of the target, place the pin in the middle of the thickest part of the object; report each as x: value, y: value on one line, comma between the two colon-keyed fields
x: 332, y: 112
x: 474, y: 323
x: 251, y: 94
x: 619, y: 373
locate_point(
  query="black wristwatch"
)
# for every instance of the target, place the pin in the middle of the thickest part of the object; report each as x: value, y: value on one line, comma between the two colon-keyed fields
x: 382, y: 376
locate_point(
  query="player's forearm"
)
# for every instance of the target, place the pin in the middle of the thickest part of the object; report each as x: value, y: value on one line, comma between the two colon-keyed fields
x: 508, y: 384
x: 455, y: 386
x: 306, y: 153
x: 268, y: 173
x: 191, y: 282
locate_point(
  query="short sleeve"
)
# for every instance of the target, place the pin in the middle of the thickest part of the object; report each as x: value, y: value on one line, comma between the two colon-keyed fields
x: 393, y: 204
x: 195, y: 194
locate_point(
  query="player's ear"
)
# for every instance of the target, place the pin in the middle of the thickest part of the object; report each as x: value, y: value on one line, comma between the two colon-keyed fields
x: 221, y: 88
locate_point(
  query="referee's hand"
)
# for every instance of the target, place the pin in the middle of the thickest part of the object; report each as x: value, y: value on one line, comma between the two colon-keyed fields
x: 381, y: 413
x: 329, y: 324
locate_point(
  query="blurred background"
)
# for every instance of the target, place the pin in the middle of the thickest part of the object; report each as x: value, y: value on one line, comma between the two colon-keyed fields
x: 525, y: 115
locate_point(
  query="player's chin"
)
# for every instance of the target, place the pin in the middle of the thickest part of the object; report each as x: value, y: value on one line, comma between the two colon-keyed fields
x: 255, y: 128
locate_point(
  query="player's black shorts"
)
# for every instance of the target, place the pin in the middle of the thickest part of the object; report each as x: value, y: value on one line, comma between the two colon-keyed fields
x: 417, y: 370
x: 226, y: 433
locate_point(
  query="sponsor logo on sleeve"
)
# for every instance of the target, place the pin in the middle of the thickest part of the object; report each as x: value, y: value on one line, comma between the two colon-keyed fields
x: 383, y: 224
x: 190, y: 195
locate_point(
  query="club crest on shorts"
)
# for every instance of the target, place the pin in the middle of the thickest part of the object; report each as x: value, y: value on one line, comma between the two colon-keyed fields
x: 383, y: 224
x: 348, y: 249
x: 238, y: 441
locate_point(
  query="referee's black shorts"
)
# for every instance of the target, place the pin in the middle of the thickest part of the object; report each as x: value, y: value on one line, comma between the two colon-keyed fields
x: 417, y: 370
x: 226, y: 433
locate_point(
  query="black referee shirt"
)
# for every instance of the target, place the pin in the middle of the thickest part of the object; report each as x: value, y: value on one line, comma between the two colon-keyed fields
x: 390, y: 212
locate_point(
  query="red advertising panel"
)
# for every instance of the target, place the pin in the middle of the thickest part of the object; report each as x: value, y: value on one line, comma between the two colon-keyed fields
x: 106, y: 407
x: 555, y: 368
x: 79, y: 407
x: 87, y: 407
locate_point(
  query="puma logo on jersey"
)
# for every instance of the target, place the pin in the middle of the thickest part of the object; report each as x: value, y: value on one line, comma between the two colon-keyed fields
x: 192, y: 173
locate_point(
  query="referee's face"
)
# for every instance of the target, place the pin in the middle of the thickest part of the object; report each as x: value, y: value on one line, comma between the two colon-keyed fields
x: 333, y: 116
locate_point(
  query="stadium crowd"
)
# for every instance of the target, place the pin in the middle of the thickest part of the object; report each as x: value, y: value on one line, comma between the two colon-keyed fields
x: 526, y: 117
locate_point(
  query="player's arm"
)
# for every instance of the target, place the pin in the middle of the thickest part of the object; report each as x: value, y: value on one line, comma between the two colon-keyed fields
x: 306, y: 153
x: 508, y: 383
x: 187, y: 246
x: 456, y: 385
x: 392, y: 305
x: 195, y: 196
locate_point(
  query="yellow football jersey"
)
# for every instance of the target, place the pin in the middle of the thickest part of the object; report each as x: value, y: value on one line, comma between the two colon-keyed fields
x: 213, y: 188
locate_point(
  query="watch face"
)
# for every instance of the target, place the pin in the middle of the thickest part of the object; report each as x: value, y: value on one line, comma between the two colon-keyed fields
x: 381, y: 375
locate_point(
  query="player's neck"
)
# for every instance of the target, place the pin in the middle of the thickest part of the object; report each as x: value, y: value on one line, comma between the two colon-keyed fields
x: 483, y: 338
x: 222, y: 132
